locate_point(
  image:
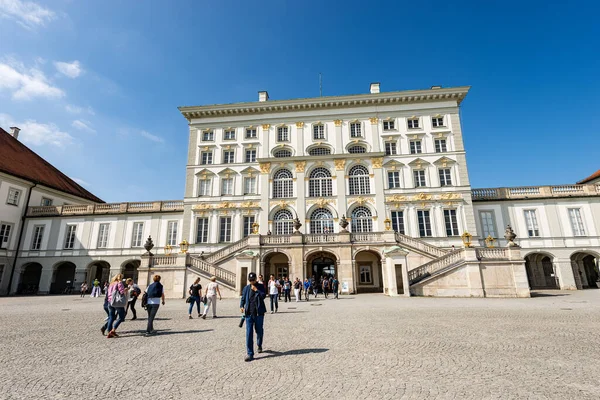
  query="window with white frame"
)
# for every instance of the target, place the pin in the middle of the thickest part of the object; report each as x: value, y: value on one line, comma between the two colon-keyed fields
x: 320, y: 183
x: 172, y: 233
x: 283, y: 184
x: 413, y: 123
x: 208, y: 136
x: 488, y: 224
x: 228, y: 157
x: 224, y: 229
x: 248, y: 222
x: 440, y: 146
x: 319, y: 151
x: 321, y: 221
x: 13, y: 197
x: 283, y: 153
x: 415, y: 147
x: 398, y: 221
x: 424, y: 220
x: 365, y: 274
x: 436, y: 122
x: 250, y: 185
x: 393, y: 179
x: 227, y: 186
x: 576, y: 222
x: 202, y: 230
x: 357, y: 149
x: 355, y: 129
x: 229, y: 134
x: 391, y: 148
x: 203, y: 187
x: 283, y: 222
x: 283, y: 134
x: 451, y: 223
x: 250, y: 155
x: 533, y: 229
x: 38, y: 236
x: 362, y: 220
x: 251, y: 133
x: 389, y: 125
x: 358, y: 180
x: 70, y: 236
x: 103, y: 236
x: 206, y: 158
x: 46, y: 202
x: 136, y: 235
x: 5, y: 230
x: 318, y: 132
x: 419, y: 178
x: 445, y: 177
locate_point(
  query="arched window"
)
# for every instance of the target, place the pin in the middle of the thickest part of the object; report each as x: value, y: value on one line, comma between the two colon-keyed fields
x: 362, y: 220
x: 283, y: 184
x: 283, y: 222
x: 319, y: 183
x: 359, y: 180
x: 283, y: 153
x: 357, y: 149
x: 319, y: 151
x: 321, y: 221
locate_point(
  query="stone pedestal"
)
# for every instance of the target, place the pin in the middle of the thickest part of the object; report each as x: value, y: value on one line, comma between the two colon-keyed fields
x: 473, y: 272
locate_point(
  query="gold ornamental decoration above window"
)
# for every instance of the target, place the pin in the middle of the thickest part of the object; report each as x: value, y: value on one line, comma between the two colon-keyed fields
x: 374, y: 120
x: 300, y: 165
x: 321, y: 202
x: 377, y: 162
x: 361, y: 200
x: 299, y: 124
x: 339, y: 164
x: 395, y: 198
x: 266, y: 127
x: 422, y: 196
x: 338, y: 122
x: 265, y: 167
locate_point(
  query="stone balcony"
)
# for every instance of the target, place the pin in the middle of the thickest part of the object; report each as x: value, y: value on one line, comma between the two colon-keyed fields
x: 535, y: 192
x: 106, y: 208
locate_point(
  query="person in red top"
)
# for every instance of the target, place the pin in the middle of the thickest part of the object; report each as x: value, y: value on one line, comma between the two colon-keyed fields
x: 116, y: 285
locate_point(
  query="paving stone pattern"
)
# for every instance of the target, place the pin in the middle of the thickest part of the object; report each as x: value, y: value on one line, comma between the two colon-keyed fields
x: 358, y: 347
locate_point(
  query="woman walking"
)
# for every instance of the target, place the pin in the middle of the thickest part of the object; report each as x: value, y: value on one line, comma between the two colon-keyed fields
x: 133, y: 291
x: 117, y: 300
x: 274, y: 293
x: 297, y: 288
x: 84, y: 289
x: 195, y: 294
x: 156, y: 295
x: 211, y: 297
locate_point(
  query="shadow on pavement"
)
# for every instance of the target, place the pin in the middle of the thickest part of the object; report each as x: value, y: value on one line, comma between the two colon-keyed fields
x: 163, y: 332
x: 534, y: 294
x: 272, y: 353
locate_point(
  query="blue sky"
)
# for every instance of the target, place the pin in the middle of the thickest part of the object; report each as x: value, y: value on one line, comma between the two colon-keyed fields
x: 95, y: 85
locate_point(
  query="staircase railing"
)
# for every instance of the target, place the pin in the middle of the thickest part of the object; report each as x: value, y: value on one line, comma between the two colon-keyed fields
x: 420, y: 245
x: 428, y: 269
x: 221, y: 274
x: 227, y: 251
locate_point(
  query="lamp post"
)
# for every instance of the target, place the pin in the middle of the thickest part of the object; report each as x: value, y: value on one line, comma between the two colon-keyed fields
x: 184, y: 246
x: 168, y: 249
x: 388, y: 224
x: 255, y: 228
x: 466, y: 238
x: 489, y: 241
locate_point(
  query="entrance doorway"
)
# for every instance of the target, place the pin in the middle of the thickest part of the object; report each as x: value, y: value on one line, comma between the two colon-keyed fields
x: 323, y: 266
x: 585, y: 270
x: 276, y: 264
x: 540, y: 271
x: 30, y: 279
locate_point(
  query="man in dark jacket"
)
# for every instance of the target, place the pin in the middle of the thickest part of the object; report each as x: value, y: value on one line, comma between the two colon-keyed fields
x: 252, y: 304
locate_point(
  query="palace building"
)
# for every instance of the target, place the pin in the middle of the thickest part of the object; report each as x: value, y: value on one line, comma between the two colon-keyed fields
x: 371, y: 188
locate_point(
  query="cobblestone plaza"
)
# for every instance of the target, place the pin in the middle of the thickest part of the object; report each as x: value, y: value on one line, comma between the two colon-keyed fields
x: 358, y: 347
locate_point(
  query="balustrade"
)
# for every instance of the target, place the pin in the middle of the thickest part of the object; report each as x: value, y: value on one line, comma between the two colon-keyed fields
x: 495, y: 253
x: 436, y: 265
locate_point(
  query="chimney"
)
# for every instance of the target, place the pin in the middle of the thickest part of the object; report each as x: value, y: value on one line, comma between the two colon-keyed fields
x: 263, y: 95
x: 14, y: 131
x: 375, y: 87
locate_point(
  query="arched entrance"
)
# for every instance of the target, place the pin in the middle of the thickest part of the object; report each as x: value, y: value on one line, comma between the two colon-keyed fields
x: 63, y: 278
x: 540, y: 271
x: 130, y: 269
x: 586, y: 271
x: 29, y: 282
x: 321, y: 264
x: 277, y: 264
x: 98, y: 270
x: 368, y: 272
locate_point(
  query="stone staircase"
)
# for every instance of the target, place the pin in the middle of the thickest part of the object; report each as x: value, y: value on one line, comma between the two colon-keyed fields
x: 206, y: 269
x: 442, y: 264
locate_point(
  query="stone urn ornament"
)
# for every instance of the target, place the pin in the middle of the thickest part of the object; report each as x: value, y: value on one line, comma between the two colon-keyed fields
x: 510, y: 236
x: 297, y: 225
x: 149, y: 245
x: 343, y: 223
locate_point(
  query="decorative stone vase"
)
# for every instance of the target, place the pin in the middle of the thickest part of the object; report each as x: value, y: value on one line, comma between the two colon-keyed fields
x: 343, y: 223
x: 510, y: 236
x: 149, y: 245
x: 297, y: 225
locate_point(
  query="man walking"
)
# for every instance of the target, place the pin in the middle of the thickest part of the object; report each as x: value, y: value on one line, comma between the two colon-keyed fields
x: 306, y: 288
x: 335, y: 286
x: 287, y: 288
x: 252, y: 304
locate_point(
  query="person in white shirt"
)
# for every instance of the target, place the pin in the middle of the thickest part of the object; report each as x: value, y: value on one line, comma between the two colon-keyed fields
x: 211, y: 297
x: 274, y: 286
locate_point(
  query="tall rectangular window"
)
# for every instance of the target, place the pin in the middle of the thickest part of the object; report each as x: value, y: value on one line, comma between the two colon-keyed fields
x: 13, y: 197
x: 229, y: 134
x: 5, y: 230
x: 365, y: 274
x: 172, y: 233
x: 415, y: 147
x: 250, y: 185
x: 46, y: 202
x: 251, y: 133
x: 440, y: 146
x: 390, y: 148
x: 393, y: 179
x: 576, y: 222
x: 136, y: 236
x: 227, y: 186
x: 208, y: 136
x: 203, y: 187
x: 206, y: 158
x: 283, y: 134
x: 419, y: 178
x: 225, y: 229
x: 250, y: 155
x: 355, y: 129
x: 202, y: 230
x: 318, y: 132
x: 389, y: 125
x: 413, y: 123
x: 488, y: 225
x: 38, y: 236
x: 451, y: 222
x: 248, y: 221
x: 445, y: 177
x: 533, y: 229
x: 424, y: 223
x: 228, y: 157
x: 70, y: 236
x: 436, y: 122
x: 398, y: 221
x: 103, y: 236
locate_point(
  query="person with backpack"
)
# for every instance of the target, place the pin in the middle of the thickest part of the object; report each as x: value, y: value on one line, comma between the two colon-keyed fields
x: 306, y: 288
x: 335, y: 284
x: 287, y: 289
x: 134, y: 292
x: 252, y: 305
x: 155, y: 294
x: 195, y: 292
x: 117, y: 301
x: 314, y: 286
x: 325, y: 285
x: 212, y: 289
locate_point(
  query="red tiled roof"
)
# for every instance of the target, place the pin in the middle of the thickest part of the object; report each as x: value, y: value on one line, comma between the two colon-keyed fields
x: 590, y: 178
x: 18, y: 160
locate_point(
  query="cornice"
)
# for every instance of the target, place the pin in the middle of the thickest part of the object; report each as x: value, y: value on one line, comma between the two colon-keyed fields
x: 332, y: 102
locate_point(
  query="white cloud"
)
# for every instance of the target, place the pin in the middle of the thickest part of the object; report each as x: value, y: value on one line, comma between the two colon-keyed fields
x: 81, y: 182
x: 25, y: 84
x: 38, y: 134
x: 83, y: 125
x: 152, y: 137
x: 72, y: 70
x: 27, y: 14
x: 78, y: 110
